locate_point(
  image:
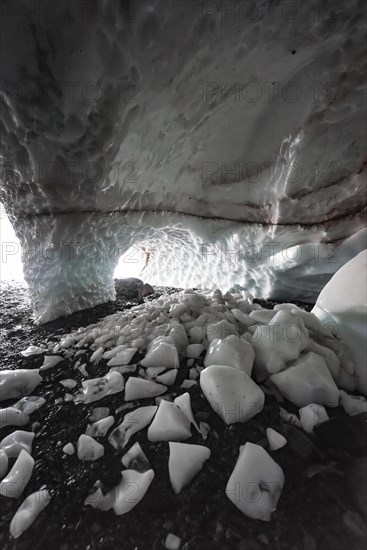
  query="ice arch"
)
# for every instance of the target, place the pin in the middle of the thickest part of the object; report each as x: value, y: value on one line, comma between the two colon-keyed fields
x: 217, y: 139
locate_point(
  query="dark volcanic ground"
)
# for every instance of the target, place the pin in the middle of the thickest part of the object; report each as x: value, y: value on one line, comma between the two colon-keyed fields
x: 322, y: 505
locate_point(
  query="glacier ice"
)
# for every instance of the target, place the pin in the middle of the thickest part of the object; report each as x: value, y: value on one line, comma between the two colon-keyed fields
x: 127, y: 145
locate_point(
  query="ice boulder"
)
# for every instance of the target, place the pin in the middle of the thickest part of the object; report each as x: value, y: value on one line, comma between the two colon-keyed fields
x: 232, y: 394
x: 231, y: 351
x: 342, y: 304
x: 256, y: 483
x: 308, y: 381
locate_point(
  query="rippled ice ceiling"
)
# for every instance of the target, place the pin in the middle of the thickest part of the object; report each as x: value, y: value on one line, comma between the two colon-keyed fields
x: 223, y: 141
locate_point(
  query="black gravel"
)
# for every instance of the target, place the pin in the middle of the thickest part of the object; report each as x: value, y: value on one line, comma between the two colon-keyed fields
x: 315, y: 510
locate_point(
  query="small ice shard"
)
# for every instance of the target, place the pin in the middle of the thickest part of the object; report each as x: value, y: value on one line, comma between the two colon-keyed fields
x: 13, y: 443
x: 280, y: 341
x: 133, y: 422
x: 97, y: 355
x: 232, y: 394
x: 161, y: 352
x: 69, y: 449
x: 135, y: 459
x: 204, y: 429
x: 114, y: 351
x: 68, y: 383
x: 256, y: 483
x: 193, y: 373
x: 32, y: 350
x: 353, y: 404
x: 187, y: 384
x: 29, y: 404
x: 13, y: 417
x: 168, y: 378
x: 179, y: 337
x: 169, y: 424
x: 98, y: 413
x: 311, y: 415
x: 101, y: 427
x: 67, y: 342
x: 123, y: 357
x: 185, y: 462
x: 308, y: 381
x: 275, y: 439
x: 131, y: 489
x: 88, y: 448
x: 50, y: 361
x: 232, y: 352
x: 220, y: 330
x: 14, y: 483
x: 194, y: 350
x: 28, y: 511
x: 17, y: 383
x: 172, y: 542
x: 184, y: 402
x: 97, y: 388
x: 137, y: 388
x: 3, y: 463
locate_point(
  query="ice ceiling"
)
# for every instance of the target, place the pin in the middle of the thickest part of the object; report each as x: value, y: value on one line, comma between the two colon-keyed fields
x: 222, y: 143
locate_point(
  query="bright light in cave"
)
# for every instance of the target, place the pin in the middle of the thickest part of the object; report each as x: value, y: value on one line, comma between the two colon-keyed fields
x: 131, y: 263
x: 11, y: 267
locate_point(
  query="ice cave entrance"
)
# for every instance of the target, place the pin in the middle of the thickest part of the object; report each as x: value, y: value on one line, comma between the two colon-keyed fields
x: 11, y: 267
x: 131, y: 263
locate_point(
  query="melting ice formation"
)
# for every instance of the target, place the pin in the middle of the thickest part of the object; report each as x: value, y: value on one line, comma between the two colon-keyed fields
x: 234, y: 156
x: 243, y: 346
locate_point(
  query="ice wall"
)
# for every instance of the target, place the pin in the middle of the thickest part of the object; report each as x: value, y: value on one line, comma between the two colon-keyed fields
x: 224, y: 140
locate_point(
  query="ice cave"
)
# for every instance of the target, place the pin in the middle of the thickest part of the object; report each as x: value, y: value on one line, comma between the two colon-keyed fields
x: 183, y: 274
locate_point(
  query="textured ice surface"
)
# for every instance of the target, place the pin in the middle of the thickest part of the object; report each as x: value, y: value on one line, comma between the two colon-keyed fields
x: 232, y: 155
x: 343, y: 305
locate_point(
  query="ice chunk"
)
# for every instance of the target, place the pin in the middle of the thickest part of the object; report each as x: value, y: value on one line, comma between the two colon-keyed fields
x: 98, y: 413
x: 135, y: 459
x: 184, y: 402
x: 32, y: 350
x: 275, y: 439
x: 232, y: 394
x: 256, y: 483
x: 133, y: 422
x: 185, y: 462
x: 232, y: 352
x: 280, y: 341
x: 308, y: 381
x: 69, y: 449
x: 168, y: 378
x: 352, y: 404
x: 137, y: 388
x: 3, y: 463
x: 194, y: 350
x: 169, y: 424
x: 311, y: 415
x: 220, y: 330
x: 50, y: 361
x: 30, y: 404
x: 89, y: 449
x: 101, y: 427
x: 14, y: 483
x: 122, y: 358
x: 172, y: 542
x: 124, y: 499
x: 17, y: 383
x: 68, y: 383
x: 97, y: 388
x: 13, y: 417
x: 161, y: 352
x: 16, y: 441
x: 28, y: 511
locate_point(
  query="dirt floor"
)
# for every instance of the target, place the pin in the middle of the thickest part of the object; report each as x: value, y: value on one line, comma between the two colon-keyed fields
x: 322, y: 505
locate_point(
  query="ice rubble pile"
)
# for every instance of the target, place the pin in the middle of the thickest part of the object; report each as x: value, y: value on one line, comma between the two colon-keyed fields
x: 247, y: 351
